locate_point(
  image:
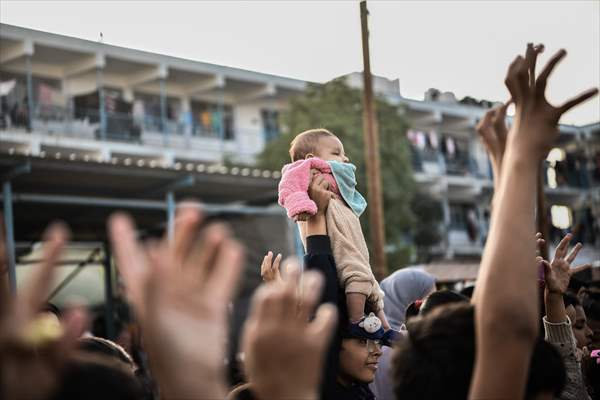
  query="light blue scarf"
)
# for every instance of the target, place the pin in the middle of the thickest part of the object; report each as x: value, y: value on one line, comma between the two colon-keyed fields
x: 346, y: 180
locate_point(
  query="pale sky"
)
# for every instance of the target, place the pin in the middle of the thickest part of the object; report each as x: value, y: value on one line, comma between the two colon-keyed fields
x: 459, y: 46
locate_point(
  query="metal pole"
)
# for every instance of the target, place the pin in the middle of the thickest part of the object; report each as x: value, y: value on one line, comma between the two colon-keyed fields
x: 371, y: 139
x: 170, y: 214
x: 163, y: 111
x: 10, y: 236
x: 30, y: 110
x: 101, y: 103
x: 221, y: 125
x: 108, y: 295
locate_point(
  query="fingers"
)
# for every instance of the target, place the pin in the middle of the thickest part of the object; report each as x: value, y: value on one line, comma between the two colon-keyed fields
x: 265, y: 268
x: 561, y: 249
x: 226, y: 272
x: 522, y: 74
x: 37, y: 287
x: 312, y: 286
x: 127, y: 250
x: 484, y: 124
x: 186, y: 223
x: 291, y: 270
x: 588, y: 94
x: 545, y: 264
x: 580, y: 268
x: 511, y: 80
x: 200, y: 261
x: 571, y: 257
x: 550, y: 65
x: 530, y: 58
x: 275, y: 267
x: 289, y: 296
x: 322, y: 327
x: 75, y: 322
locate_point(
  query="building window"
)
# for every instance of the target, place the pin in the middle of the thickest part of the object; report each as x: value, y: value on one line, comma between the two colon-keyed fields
x: 270, y: 123
x: 213, y: 120
x: 562, y: 218
x: 464, y: 217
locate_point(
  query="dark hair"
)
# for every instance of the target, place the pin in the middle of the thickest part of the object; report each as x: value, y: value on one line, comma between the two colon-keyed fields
x: 439, y: 298
x: 96, y: 378
x: 575, y: 284
x: 411, y: 311
x: 570, y: 300
x: 105, y: 347
x: 468, y: 291
x: 436, y: 362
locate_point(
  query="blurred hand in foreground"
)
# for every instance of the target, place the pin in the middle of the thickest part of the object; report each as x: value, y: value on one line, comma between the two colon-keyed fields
x: 180, y: 290
x: 284, y: 351
x: 34, y: 347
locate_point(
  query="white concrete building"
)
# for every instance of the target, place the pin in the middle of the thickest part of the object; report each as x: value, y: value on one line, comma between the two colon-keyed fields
x: 97, y: 102
x: 450, y: 163
x: 156, y: 107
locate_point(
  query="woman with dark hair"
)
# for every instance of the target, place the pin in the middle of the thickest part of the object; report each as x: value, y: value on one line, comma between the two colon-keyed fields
x: 351, y: 360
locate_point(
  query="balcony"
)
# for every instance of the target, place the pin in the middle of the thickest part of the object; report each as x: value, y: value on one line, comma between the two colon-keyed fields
x: 70, y: 130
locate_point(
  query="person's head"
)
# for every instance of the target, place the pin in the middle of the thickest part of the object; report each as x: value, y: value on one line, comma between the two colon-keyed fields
x: 436, y: 361
x: 401, y: 289
x: 319, y: 143
x: 591, y: 306
x: 96, y: 377
x: 358, y: 356
x: 358, y: 360
x: 439, y: 298
x: 581, y: 330
x: 108, y: 348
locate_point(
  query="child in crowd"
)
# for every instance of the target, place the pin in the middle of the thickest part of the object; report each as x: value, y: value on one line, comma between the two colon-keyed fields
x: 318, y: 151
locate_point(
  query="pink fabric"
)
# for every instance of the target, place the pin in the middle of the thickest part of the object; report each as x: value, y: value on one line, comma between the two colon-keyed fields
x: 293, y: 187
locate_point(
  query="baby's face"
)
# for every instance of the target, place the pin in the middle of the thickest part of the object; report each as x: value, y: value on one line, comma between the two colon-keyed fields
x: 330, y: 148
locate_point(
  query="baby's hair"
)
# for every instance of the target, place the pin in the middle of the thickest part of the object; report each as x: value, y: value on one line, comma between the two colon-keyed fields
x: 306, y: 142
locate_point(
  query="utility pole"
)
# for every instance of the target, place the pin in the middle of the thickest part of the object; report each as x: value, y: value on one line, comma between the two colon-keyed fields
x: 371, y: 139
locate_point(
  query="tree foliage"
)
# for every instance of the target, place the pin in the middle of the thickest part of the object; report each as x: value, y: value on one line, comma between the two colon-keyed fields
x: 337, y: 107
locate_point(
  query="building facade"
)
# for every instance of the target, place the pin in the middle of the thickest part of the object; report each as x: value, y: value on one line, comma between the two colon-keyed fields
x: 73, y: 99
x: 451, y: 164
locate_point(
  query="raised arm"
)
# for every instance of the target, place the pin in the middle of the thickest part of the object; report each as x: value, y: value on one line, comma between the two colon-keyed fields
x: 493, y: 131
x: 557, y: 276
x: 506, y: 294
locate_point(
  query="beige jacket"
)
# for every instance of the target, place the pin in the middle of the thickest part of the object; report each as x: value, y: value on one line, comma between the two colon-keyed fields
x: 350, y: 252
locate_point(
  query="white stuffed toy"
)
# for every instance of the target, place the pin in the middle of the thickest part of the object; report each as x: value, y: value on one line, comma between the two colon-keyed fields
x: 371, y: 323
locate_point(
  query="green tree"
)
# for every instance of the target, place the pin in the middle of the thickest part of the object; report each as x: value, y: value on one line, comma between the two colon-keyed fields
x: 337, y: 107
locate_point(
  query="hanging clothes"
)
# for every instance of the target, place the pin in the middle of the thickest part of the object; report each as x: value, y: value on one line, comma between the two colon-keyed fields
x: 433, y: 139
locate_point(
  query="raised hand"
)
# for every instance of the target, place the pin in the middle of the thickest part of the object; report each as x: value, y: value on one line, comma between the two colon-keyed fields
x: 536, y: 120
x: 269, y: 269
x: 34, y: 348
x: 319, y: 193
x: 180, y: 290
x: 558, y: 272
x: 493, y: 131
x: 284, y: 350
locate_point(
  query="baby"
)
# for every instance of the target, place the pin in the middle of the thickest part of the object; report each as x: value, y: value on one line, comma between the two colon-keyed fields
x: 321, y: 150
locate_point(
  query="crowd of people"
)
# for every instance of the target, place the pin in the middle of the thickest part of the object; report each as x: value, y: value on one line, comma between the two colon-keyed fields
x: 326, y: 329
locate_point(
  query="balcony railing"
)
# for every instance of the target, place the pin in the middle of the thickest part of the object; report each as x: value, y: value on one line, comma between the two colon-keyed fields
x: 87, y: 123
